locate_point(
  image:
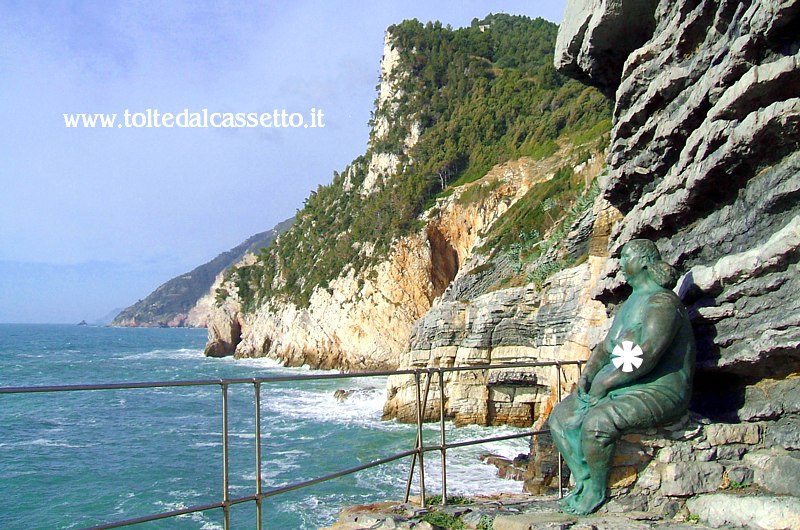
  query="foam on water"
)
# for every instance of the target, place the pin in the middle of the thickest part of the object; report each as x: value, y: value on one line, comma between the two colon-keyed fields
x: 207, y: 444
x: 197, y: 517
x: 46, y: 443
x: 255, y: 362
x: 160, y: 354
x: 363, y: 407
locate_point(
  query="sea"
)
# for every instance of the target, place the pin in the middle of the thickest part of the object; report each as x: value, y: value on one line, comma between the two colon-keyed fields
x: 86, y: 458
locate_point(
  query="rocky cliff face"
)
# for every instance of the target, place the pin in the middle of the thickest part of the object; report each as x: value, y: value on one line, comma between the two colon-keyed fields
x: 368, y: 255
x: 513, y: 325
x: 704, y: 160
x: 359, y: 321
x: 383, y: 165
x: 364, y: 321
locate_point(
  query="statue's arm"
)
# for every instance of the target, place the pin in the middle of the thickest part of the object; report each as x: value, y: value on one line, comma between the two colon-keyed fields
x: 659, y: 324
x: 597, y: 359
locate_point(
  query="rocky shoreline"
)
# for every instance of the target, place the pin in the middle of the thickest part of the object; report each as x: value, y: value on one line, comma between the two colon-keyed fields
x: 500, y: 512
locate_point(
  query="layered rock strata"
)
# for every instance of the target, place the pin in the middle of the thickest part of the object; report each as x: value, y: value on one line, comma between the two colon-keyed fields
x: 514, y: 325
x: 473, y: 323
x: 704, y: 160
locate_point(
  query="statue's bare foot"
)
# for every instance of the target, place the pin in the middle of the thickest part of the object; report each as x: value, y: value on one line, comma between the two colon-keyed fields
x: 571, y: 497
x: 588, y: 501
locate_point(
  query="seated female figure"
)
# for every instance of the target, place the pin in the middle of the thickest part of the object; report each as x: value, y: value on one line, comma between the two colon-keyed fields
x: 612, y: 396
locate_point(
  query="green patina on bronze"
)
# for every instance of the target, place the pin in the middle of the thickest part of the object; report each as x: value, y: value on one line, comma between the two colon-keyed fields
x: 609, y: 401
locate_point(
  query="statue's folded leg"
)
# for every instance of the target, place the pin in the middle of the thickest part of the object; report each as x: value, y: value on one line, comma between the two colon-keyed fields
x: 598, y: 436
x: 565, y: 427
x: 621, y: 411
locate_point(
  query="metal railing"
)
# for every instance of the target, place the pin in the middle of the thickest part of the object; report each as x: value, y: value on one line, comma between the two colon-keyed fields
x: 417, y: 453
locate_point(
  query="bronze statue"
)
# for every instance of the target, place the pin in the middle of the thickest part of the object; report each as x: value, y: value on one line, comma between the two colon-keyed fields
x: 640, y: 376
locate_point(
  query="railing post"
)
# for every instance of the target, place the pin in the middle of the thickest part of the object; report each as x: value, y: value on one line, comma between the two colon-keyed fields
x: 259, y: 500
x: 420, y: 443
x: 414, y: 456
x: 226, y: 509
x: 560, y: 459
x: 443, y: 440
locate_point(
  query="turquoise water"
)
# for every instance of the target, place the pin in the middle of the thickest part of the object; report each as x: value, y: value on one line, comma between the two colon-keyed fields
x: 72, y: 460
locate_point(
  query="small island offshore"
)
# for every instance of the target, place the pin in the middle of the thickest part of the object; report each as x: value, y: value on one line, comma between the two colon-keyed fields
x: 508, y: 165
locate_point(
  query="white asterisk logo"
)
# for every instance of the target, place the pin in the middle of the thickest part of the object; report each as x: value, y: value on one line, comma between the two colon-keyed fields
x: 628, y: 356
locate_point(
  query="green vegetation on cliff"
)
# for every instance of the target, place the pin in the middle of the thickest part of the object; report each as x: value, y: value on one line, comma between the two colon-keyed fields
x: 480, y: 96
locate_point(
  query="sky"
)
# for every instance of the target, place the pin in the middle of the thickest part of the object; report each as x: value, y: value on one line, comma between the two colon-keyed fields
x: 94, y: 219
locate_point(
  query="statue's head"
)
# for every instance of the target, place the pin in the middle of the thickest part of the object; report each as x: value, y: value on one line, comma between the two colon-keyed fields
x: 641, y: 256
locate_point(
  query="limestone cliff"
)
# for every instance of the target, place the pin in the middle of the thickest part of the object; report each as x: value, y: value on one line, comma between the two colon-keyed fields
x: 520, y: 324
x: 474, y: 323
x: 355, y: 323
x: 364, y: 321
x: 386, y: 164
x: 371, y: 252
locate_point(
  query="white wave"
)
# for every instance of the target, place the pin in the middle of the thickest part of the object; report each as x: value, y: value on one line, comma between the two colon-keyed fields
x: 122, y: 506
x: 466, y: 473
x: 197, y: 517
x: 280, y: 469
x: 254, y: 362
x: 363, y: 407
x: 278, y: 463
x: 276, y: 366
x: 314, y: 512
x: 47, y: 442
x: 179, y: 353
x: 14, y: 474
x: 207, y: 444
x: 240, y: 435
x: 243, y: 435
x: 184, y: 494
x: 505, y: 448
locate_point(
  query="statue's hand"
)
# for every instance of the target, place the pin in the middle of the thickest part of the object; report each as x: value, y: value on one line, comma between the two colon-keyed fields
x: 583, y: 384
x: 587, y: 399
x: 602, y: 382
x: 598, y: 389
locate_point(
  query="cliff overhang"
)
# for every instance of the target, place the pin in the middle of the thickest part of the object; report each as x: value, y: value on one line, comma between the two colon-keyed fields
x: 704, y: 159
